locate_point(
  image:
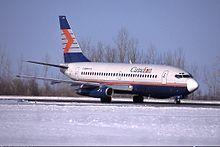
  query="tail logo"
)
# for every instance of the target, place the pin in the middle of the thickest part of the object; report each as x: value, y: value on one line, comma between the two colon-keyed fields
x: 69, y: 39
x: 70, y: 46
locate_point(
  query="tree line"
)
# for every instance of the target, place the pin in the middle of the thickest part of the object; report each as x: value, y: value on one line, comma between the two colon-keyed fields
x: 124, y: 49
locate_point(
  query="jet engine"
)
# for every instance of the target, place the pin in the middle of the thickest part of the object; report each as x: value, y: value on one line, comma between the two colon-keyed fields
x: 103, y: 92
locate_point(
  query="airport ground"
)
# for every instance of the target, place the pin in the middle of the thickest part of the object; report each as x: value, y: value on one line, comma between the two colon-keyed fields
x: 86, y: 121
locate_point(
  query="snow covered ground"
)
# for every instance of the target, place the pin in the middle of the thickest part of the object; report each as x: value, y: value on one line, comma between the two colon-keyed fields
x: 107, y: 124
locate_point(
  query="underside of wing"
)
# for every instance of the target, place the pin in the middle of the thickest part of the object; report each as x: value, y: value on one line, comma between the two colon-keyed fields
x: 83, y: 84
x: 57, y: 81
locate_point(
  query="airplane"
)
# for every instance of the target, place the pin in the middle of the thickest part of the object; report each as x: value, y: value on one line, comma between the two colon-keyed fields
x: 102, y: 80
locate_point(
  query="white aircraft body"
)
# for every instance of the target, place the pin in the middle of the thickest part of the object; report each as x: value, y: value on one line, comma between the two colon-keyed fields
x: 102, y: 80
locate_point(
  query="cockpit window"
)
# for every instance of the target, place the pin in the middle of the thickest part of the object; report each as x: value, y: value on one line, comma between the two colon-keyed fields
x: 178, y: 76
x: 182, y: 75
x: 186, y: 76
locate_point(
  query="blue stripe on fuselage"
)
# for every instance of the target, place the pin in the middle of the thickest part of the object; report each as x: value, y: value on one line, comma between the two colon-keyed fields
x: 74, y: 57
x: 159, y: 91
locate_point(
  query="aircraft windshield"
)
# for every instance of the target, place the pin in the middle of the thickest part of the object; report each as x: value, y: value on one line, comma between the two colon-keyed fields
x: 182, y: 75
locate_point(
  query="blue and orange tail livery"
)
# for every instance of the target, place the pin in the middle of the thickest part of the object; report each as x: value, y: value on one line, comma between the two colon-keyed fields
x: 71, y: 48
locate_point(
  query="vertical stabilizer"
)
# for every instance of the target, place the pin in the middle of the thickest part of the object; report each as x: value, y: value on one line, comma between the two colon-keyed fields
x: 71, y: 49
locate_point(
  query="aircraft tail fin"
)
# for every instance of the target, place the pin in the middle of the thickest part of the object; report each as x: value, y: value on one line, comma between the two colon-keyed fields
x: 71, y: 49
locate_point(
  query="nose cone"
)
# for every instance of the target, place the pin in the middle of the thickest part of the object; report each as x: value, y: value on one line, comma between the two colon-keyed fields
x: 192, y: 85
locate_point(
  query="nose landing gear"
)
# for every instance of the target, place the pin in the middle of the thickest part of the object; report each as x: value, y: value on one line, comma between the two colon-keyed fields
x: 177, y: 99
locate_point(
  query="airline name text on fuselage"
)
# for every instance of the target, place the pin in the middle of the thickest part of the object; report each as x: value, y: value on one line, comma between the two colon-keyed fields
x: 141, y: 70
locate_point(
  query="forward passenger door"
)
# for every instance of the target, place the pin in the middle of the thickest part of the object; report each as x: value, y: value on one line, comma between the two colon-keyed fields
x: 164, y: 77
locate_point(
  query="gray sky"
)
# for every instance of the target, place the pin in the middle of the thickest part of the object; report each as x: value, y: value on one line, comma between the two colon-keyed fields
x: 30, y: 27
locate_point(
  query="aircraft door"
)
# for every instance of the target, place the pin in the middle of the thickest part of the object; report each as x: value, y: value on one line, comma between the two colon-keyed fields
x: 164, y: 77
x: 77, y: 72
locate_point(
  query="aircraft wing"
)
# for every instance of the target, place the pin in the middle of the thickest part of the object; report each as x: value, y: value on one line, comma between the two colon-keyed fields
x: 56, y: 81
x: 117, y: 88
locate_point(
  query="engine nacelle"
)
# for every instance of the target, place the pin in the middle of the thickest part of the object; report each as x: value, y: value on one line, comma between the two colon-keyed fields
x: 98, y: 92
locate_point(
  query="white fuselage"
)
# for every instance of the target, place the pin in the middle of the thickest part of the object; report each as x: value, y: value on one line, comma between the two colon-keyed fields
x: 131, y: 75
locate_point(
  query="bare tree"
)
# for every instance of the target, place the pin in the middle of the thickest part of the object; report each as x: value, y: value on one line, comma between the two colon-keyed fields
x: 176, y: 58
x: 47, y: 88
x: 151, y: 55
x: 5, y: 64
x: 211, y: 81
x: 110, y: 54
x: 87, y: 47
x: 132, y: 50
x: 179, y: 58
x: 97, y: 54
x: 5, y: 73
x: 168, y: 58
x: 33, y: 88
x: 122, y: 42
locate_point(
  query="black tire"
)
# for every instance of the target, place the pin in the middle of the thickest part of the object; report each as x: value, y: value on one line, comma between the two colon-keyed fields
x: 177, y: 101
x: 138, y: 99
x: 106, y: 99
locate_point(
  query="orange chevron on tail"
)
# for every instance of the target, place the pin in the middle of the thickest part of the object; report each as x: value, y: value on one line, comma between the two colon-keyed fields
x: 69, y: 38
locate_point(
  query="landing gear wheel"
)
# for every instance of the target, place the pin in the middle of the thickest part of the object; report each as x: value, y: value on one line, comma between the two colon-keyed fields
x: 138, y: 99
x: 177, y: 101
x: 106, y: 99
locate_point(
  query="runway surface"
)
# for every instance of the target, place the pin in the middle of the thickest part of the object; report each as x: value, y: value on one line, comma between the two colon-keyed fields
x: 167, y: 102
x: 89, y: 122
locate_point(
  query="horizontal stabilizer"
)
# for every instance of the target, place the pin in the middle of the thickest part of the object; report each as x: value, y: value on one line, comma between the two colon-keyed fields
x: 48, y: 64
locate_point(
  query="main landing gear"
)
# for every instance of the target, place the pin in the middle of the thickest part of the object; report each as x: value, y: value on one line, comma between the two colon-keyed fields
x: 106, y: 99
x: 138, y: 99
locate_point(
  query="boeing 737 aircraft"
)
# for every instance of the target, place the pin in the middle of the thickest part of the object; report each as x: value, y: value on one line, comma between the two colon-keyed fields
x: 102, y: 80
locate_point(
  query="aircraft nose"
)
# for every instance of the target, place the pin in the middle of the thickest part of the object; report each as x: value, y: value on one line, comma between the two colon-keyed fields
x: 192, y: 85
